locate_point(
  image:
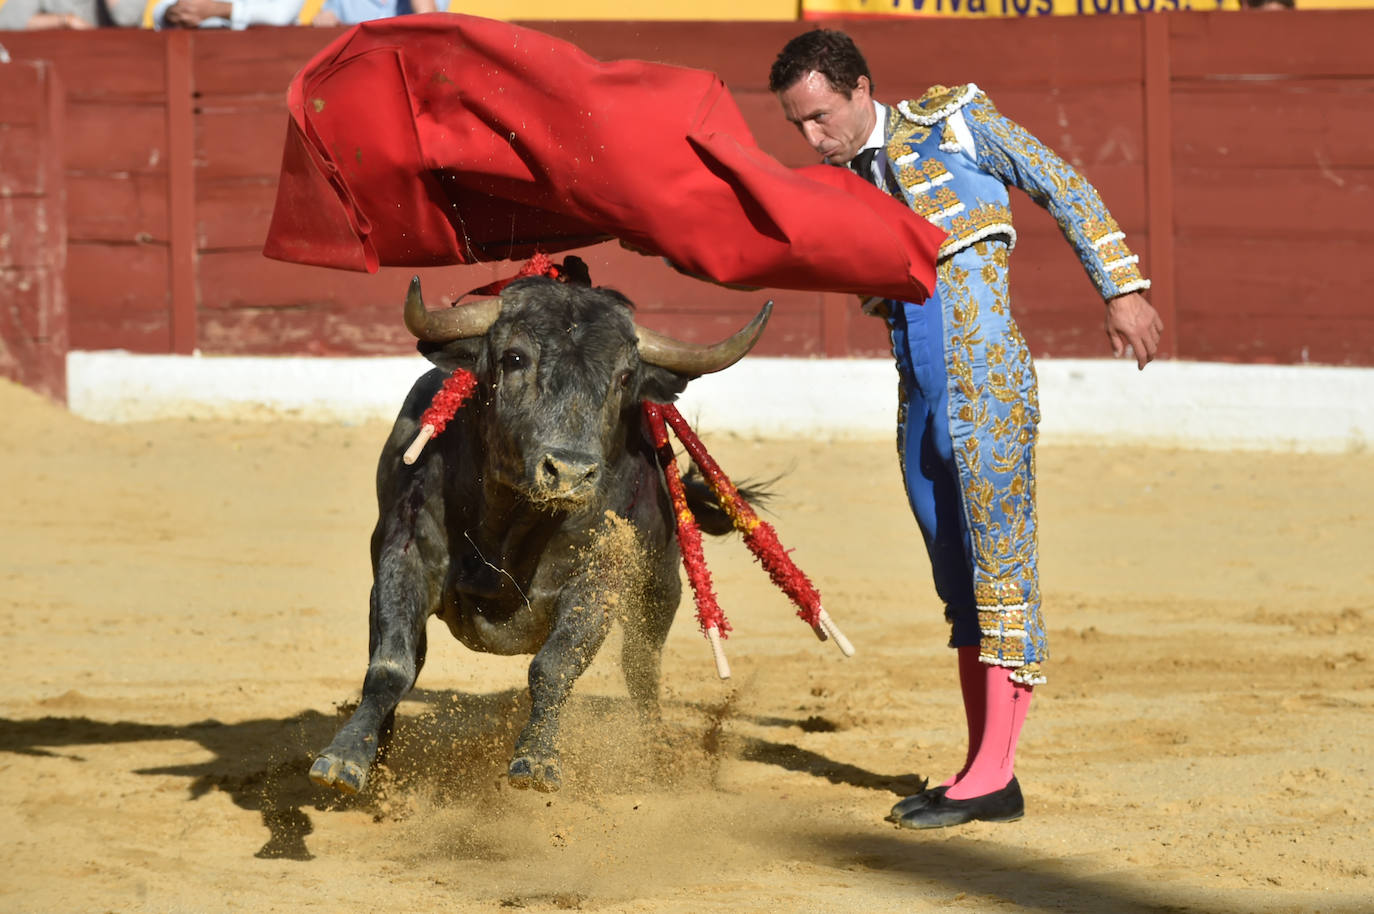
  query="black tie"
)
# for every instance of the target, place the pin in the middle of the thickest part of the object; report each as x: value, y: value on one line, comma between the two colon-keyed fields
x: 863, y: 167
x: 863, y: 164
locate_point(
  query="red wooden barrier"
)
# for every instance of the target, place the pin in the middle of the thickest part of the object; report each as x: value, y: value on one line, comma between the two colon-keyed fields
x: 33, y: 235
x: 1274, y: 187
x: 1235, y: 150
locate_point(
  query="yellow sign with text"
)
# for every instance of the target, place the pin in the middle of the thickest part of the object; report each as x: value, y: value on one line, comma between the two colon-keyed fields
x: 712, y: 10
x: 824, y: 9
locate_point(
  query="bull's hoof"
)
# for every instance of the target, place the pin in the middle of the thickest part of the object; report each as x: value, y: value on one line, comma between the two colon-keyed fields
x: 544, y: 775
x: 342, y: 775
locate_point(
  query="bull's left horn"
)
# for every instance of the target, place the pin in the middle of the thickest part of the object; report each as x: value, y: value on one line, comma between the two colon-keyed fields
x: 698, y: 358
x: 456, y: 323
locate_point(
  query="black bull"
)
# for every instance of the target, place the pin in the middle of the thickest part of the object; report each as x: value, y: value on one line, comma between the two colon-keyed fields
x: 537, y: 518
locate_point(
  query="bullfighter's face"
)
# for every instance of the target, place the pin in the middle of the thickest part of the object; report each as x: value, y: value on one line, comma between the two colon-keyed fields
x: 834, y: 125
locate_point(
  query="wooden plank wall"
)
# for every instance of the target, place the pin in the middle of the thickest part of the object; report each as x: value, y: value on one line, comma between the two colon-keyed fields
x: 1235, y: 150
x: 115, y: 157
x: 33, y: 231
x: 1274, y: 187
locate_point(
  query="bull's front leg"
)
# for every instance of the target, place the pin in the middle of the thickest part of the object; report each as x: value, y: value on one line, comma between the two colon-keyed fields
x: 401, y: 599
x: 578, y: 633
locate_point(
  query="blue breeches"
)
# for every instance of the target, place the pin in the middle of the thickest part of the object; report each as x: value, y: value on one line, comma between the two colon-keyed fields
x: 966, y: 428
x: 926, y: 454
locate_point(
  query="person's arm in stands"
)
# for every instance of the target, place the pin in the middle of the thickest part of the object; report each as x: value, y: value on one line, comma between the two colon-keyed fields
x: 239, y: 13
x: 61, y: 14
x: 43, y: 21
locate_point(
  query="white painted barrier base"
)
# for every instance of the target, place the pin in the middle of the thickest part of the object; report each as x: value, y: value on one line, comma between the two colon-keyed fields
x: 1171, y: 404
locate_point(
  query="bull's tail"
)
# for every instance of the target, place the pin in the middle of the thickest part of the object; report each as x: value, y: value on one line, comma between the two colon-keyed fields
x: 711, y: 517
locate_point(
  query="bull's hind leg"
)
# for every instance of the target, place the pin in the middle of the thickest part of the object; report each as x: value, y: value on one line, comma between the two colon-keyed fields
x: 577, y: 636
x: 397, y: 652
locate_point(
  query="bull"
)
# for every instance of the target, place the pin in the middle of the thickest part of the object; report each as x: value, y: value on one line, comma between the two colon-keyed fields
x: 538, y: 518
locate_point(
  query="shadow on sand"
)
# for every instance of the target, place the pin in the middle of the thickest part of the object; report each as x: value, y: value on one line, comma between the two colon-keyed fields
x: 457, y: 744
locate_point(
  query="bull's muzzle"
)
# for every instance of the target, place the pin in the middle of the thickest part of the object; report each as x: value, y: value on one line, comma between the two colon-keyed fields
x: 563, y: 476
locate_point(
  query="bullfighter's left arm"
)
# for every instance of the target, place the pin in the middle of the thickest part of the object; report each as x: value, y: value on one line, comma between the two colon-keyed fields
x: 1007, y: 150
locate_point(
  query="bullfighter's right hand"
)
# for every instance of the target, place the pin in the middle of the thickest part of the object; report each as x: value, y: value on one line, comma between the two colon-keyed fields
x: 1132, y: 321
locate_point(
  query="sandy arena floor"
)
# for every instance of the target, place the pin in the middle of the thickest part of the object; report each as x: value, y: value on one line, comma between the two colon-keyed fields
x: 184, y: 608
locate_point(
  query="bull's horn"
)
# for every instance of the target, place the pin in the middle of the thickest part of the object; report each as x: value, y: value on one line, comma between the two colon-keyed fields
x: 457, y: 323
x: 697, y: 358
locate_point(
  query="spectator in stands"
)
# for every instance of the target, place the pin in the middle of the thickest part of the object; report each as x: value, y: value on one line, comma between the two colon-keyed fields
x: 240, y: 14
x: 34, y: 15
x: 351, y: 12
x: 223, y: 14
x: 121, y: 13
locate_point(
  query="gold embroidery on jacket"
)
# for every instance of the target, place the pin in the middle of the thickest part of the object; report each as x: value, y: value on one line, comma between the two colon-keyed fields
x: 976, y: 224
x: 937, y: 103
x: 938, y: 203
x: 916, y: 179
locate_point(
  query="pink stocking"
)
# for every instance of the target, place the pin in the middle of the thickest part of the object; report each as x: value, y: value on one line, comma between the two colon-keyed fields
x: 1006, y: 705
x: 973, y: 683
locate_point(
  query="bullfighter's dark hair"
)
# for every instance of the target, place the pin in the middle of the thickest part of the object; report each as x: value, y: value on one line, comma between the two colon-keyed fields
x: 829, y: 52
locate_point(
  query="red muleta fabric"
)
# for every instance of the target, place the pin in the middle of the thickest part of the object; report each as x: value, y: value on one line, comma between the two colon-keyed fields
x: 436, y: 139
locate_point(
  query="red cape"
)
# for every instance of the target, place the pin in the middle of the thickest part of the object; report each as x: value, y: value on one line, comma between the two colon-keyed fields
x: 438, y: 139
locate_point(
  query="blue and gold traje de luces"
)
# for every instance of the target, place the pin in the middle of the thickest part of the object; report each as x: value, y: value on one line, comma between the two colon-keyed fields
x: 954, y: 157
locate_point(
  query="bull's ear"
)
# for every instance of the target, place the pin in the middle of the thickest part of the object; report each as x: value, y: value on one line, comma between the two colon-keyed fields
x: 659, y: 384
x: 453, y: 355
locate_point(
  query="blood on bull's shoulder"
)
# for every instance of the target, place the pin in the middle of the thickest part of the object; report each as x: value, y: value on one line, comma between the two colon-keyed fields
x: 536, y: 516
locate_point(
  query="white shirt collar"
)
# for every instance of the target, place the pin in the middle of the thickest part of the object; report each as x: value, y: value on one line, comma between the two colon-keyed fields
x: 874, y: 141
x: 880, y: 122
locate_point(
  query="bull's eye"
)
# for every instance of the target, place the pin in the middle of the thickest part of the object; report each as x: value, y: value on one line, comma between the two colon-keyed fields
x: 514, y: 360
x: 623, y: 379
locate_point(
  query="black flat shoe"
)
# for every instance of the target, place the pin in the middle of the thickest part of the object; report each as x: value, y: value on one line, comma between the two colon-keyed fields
x: 1005, y: 805
x: 915, y: 801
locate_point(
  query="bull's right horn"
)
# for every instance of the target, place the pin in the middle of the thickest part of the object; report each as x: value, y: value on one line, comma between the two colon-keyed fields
x: 457, y: 323
x: 696, y: 358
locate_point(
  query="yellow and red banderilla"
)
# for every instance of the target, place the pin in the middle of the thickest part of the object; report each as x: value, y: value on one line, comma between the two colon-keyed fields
x: 709, y: 614
x: 759, y: 535
x: 446, y: 403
